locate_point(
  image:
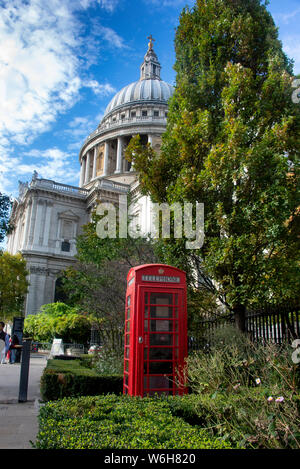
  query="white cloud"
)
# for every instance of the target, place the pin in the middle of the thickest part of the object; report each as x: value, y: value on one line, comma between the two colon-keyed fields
x: 108, y: 5
x: 39, y: 69
x: 111, y: 37
x: 99, y: 88
x: 51, y: 163
x: 42, y: 60
x: 169, y: 3
x: 286, y: 18
x: 291, y: 46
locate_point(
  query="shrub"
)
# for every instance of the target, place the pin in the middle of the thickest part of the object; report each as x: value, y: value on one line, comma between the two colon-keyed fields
x: 236, y: 387
x: 108, y: 362
x: 118, y: 422
x: 245, y: 419
x: 70, y: 378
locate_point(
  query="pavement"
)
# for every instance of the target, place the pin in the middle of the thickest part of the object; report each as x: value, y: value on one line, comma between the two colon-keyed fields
x: 19, y: 421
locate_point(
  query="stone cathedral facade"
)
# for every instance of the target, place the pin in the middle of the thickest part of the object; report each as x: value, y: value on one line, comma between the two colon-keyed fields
x: 48, y: 215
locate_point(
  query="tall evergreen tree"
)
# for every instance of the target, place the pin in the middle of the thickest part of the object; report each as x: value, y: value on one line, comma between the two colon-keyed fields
x: 233, y: 143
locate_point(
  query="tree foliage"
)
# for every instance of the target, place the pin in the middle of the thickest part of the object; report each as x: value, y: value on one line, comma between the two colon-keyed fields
x: 13, y: 284
x: 97, y: 282
x: 58, y: 320
x: 232, y: 142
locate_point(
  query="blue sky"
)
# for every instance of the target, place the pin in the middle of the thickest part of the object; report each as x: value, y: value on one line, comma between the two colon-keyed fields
x: 61, y: 61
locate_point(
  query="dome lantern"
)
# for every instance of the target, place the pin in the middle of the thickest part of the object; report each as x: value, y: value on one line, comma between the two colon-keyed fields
x: 150, y: 68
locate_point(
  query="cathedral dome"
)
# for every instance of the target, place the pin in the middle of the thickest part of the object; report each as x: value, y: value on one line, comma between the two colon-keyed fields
x: 140, y: 108
x: 144, y: 90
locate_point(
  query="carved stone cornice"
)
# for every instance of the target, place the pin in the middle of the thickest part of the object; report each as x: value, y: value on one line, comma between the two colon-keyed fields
x: 40, y: 270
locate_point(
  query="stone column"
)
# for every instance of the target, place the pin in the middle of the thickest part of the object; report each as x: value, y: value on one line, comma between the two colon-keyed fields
x: 81, y: 173
x: 87, y: 168
x: 48, y: 208
x: 95, y: 162
x: 119, y: 155
x: 17, y: 234
x: 27, y: 223
x: 32, y: 220
x: 58, y: 238
x: 37, y: 224
x: 105, y: 163
x: 150, y: 139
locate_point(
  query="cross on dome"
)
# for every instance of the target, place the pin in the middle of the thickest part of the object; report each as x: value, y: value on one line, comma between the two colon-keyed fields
x: 151, y: 40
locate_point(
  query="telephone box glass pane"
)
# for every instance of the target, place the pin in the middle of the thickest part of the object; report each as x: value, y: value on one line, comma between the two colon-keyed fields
x: 146, y: 325
x: 161, y: 298
x: 128, y: 313
x: 161, y: 326
x: 160, y: 367
x: 161, y: 339
x: 160, y: 353
x: 159, y: 382
x: 146, y: 311
x: 161, y: 312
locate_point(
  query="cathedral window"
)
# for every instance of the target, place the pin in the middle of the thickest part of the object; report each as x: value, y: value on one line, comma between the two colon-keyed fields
x: 156, y: 113
x: 144, y: 113
x: 133, y: 114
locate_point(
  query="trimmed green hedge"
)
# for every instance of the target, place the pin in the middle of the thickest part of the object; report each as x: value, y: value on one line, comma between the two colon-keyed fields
x: 72, y: 378
x: 118, y: 422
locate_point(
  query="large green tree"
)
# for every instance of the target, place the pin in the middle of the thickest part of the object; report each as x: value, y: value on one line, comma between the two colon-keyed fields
x: 13, y: 284
x: 233, y: 143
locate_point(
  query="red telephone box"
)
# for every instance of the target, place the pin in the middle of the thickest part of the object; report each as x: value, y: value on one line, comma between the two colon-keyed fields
x: 155, y: 330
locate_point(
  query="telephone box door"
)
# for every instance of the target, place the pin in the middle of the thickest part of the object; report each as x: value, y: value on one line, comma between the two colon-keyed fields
x: 162, y: 340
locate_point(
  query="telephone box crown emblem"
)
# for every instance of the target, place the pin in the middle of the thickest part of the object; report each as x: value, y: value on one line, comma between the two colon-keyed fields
x: 160, y: 271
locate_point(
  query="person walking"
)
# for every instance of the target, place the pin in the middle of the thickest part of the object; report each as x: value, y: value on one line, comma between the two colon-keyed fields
x: 14, y: 347
x: 3, y: 336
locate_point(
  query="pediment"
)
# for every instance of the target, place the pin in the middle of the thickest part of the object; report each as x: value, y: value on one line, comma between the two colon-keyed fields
x: 68, y: 214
